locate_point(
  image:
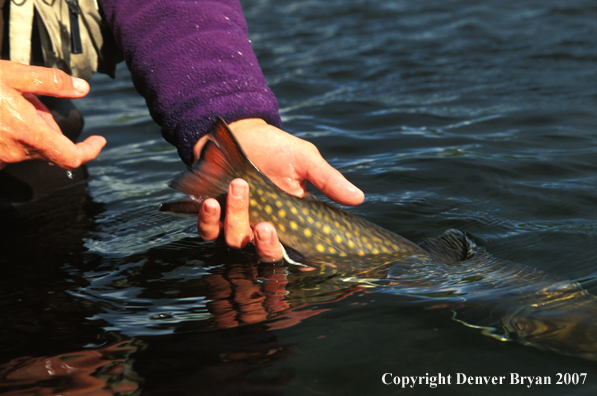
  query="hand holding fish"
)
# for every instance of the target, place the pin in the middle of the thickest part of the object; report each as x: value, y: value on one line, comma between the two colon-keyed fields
x: 289, y: 162
x: 236, y: 227
x: 27, y: 129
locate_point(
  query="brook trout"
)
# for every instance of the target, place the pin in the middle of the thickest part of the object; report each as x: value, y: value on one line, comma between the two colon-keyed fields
x: 508, y: 301
x: 314, y: 230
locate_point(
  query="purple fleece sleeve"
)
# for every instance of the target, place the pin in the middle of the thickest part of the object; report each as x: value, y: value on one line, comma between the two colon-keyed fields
x: 191, y: 60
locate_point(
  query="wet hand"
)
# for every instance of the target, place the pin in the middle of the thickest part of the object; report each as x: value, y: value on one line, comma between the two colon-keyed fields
x: 27, y: 129
x: 289, y: 162
x: 236, y: 227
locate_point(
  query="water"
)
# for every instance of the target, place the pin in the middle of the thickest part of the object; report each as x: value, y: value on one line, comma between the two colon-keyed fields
x: 448, y: 114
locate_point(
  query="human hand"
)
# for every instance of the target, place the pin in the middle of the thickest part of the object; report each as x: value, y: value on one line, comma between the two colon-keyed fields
x: 289, y: 162
x: 27, y: 129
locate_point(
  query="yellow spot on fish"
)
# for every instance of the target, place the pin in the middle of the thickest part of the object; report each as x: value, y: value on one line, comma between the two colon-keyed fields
x: 318, y: 224
x: 375, y: 251
x: 337, y: 224
x: 253, y: 202
x: 254, y: 213
x: 350, y: 244
x: 310, y: 220
x: 279, y: 204
x: 361, y: 253
x: 307, y: 232
x: 384, y: 249
x: 395, y: 247
x: 293, y: 225
x: 293, y: 210
x: 338, y: 239
x: 305, y: 211
x: 268, y: 209
x: 342, y: 254
x: 328, y: 241
x: 365, y: 239
x: 326, y: 229
x: 281, y: 227
x: 260, y: 191
x: 282, y: 213
x: 331, y: 250
x: 319, y: 248
x: 369, y: 246
x: 348, y: 236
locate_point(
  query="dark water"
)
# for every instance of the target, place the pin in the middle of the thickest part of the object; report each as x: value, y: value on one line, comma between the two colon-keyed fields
x: 479, y: 116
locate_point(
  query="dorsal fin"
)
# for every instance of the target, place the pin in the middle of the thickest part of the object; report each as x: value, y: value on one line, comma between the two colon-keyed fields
x: 452, y: 246
x: 222, y: 160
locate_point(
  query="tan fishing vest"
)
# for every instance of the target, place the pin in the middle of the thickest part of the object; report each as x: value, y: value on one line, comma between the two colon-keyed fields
x: 74, y: 37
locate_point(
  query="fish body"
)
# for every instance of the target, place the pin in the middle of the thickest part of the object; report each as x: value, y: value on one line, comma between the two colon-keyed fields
x: 313, y: 229
x: 506, y: 300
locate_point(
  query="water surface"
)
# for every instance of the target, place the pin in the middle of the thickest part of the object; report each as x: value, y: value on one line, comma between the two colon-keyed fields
x: 448, y: 114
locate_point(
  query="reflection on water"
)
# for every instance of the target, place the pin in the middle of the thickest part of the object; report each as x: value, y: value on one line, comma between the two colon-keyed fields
x: 448, y: 114
x: 84, y: 372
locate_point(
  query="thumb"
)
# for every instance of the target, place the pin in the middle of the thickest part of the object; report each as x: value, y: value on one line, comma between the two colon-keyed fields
x: 332, y: 183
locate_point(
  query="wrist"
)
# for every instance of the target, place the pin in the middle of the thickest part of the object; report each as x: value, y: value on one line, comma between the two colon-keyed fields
x: 243, y: 126
x: 239, y: 128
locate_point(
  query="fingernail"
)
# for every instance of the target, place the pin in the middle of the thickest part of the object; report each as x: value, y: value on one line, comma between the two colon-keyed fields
x: 356, y: 192
x: 264, y: 234
x: 209, y: 210
x: 80, y: 85
x: 238, y: 191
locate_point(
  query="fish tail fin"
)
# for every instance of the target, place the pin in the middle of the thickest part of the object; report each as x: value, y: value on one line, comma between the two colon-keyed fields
x: 222, y: 160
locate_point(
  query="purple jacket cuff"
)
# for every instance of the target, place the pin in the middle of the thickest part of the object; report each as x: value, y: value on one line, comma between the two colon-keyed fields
x: 191, y: 61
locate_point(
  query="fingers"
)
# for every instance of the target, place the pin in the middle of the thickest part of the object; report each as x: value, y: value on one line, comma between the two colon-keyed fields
x: 42, y: 111
x: 236, y: 225
x: 67, y: 155
x: 266, y: 243
x: 209, y: 225
x: 29, y: 132
x: 237, y: 228
x: 332, y: 183
x: 90, y: 148
x: 42, y: 81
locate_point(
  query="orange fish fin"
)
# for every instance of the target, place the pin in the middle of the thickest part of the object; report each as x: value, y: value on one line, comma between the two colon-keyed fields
x: 222, y: 160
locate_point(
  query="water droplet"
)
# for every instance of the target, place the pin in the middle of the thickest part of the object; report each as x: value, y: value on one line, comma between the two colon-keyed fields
x: 70, y: 174
x: 259, y: 281
x: 161, y: 316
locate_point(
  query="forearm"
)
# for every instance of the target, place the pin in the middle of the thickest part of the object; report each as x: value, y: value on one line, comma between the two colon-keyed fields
x: 191, y: 60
